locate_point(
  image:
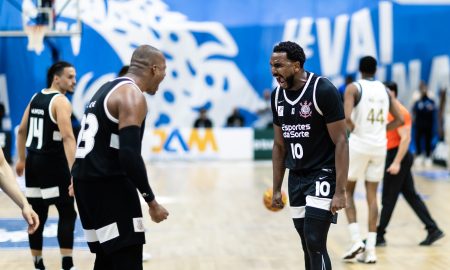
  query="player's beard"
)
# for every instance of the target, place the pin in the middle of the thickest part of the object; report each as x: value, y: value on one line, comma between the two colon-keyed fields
x: 289, y: 82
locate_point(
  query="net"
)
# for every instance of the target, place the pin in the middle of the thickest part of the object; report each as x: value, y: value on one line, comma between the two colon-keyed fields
x: 36, y: 34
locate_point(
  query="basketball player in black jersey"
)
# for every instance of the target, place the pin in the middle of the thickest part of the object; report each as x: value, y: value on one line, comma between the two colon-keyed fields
x: 46, y: 133
x: 109, y: 167
x: 310, y: 140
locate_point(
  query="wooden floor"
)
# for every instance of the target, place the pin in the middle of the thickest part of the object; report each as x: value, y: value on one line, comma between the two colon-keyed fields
x: 217, y: 221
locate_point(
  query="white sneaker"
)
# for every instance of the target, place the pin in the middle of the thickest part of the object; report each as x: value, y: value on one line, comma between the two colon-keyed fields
x: 418, y: 162
x: 369, y: 256
x: 146, y: 256
x: 357, y: 248
x: 428, y: 163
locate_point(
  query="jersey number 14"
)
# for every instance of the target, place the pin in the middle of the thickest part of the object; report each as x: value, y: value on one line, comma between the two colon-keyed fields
x: 35, y: 130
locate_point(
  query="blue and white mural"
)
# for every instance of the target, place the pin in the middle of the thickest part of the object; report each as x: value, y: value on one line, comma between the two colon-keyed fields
x: 218, y: 51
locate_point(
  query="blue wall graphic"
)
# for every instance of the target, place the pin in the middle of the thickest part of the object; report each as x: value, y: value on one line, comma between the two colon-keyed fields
x: 218, y: 51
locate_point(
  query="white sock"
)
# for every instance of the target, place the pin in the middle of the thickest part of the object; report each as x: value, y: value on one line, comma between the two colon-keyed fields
x: 36, y: 259
x: 371, y: 240
x: 354, y: 232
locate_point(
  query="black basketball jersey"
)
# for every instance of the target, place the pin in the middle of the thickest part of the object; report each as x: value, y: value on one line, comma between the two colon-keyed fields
x: 303, y: 116
x: 97, y: 154
x: 43, y: 136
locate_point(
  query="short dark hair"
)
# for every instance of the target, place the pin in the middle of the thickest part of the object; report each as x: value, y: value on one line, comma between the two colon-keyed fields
x: 368, y: 65
x: 56, y: 69
x: 293, y: 51
x: 392, y: 86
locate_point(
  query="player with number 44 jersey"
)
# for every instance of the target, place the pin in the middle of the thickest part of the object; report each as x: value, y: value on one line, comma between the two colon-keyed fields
x: 367, y: 104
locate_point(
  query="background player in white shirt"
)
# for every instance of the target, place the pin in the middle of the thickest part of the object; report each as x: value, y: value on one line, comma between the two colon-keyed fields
x: 366, y: 104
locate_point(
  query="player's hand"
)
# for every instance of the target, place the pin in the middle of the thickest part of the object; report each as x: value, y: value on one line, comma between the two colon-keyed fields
x: 20, y: 167
x: 31, y: 218
x: 157, y: 212
x: 338, y: 202
x: 350, y: 126
x: 70, y: 189
x: 277, y: 201
x: 394, y: 168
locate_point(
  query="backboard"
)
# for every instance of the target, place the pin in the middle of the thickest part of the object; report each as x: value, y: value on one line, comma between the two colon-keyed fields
x: 59, y: 17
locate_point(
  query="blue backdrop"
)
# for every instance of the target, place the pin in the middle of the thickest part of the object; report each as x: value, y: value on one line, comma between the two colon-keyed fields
x: 218, y: 51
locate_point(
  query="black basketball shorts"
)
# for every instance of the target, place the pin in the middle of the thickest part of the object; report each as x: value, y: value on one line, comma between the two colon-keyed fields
x: 310, y: 194
x: 110, y: 213
x: 47, y: 178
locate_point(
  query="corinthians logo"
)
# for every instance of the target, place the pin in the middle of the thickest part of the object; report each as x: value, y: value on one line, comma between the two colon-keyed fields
x: 305, y: 110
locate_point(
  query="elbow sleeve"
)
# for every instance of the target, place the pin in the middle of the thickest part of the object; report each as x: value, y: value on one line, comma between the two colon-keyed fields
x: 131, y: 160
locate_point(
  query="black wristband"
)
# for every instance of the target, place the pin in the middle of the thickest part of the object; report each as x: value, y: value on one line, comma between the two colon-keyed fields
x: 131, y: 160
x: 148, y: 197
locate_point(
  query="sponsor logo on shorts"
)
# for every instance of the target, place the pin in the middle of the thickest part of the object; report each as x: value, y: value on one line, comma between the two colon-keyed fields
x: 138, y: 224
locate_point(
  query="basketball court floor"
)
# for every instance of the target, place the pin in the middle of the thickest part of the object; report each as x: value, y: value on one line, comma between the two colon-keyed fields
x: 218, y: 222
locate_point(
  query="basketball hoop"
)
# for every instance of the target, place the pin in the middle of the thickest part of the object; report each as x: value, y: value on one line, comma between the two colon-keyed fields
x: 36, y: 34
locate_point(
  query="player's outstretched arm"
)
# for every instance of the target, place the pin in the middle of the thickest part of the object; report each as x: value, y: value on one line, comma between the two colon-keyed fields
x: 11, y: 188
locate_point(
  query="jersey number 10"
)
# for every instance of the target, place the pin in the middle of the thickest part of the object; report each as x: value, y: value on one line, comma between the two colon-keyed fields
x: 296, y: 150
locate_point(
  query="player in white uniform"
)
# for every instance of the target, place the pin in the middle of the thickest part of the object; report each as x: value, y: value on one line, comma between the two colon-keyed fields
x: 367, y: 103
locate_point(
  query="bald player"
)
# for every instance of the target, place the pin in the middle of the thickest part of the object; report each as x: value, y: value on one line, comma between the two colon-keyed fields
x: 109, y: 167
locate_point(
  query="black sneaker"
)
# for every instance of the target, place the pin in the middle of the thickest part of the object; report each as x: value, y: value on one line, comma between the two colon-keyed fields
x: 39, y: 265
x: 67, y: 263
x: 432, y: 237
x: 381, y: 242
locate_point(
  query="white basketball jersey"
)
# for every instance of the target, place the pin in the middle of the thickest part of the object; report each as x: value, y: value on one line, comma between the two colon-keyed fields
x: 370, y: 117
